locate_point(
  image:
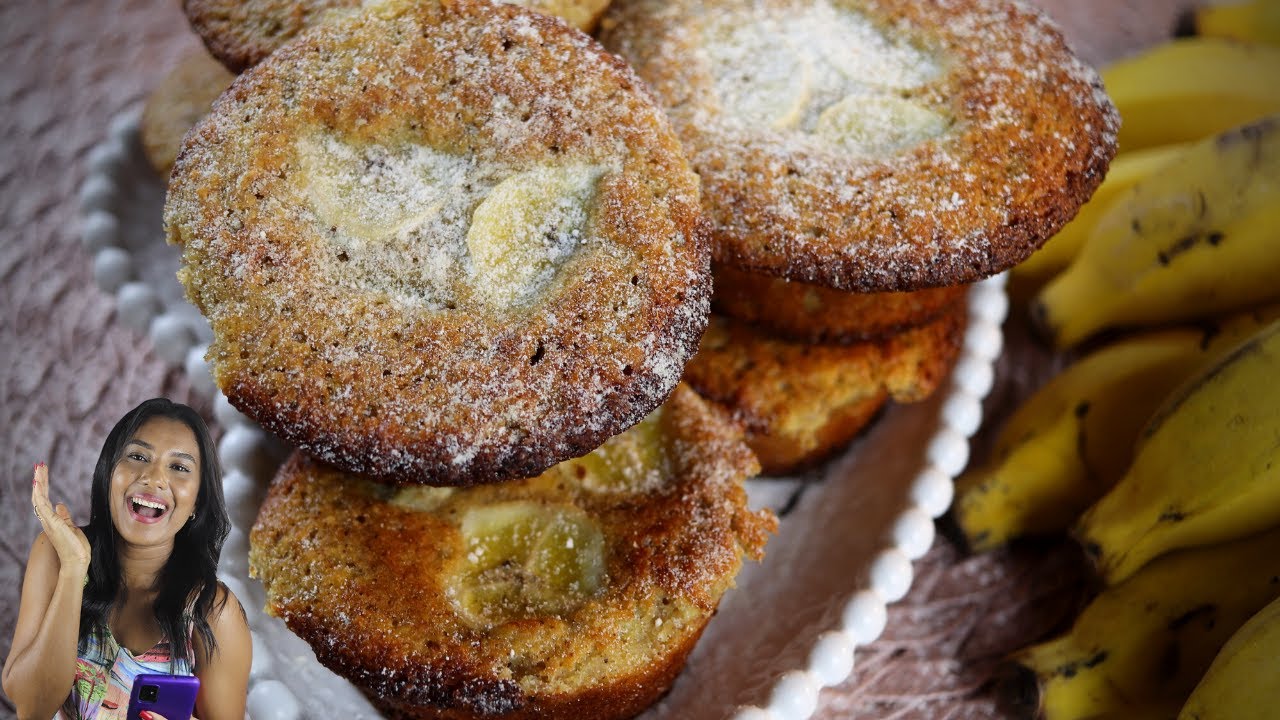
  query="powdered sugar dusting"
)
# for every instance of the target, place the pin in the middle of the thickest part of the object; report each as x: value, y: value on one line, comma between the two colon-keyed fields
x: 873, y: 125
x: 527, y: 228
x: 819, y: 55
x: 393, y: 216
x: 430, y: 228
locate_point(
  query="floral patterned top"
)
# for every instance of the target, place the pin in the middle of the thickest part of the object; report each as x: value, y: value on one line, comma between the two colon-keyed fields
x: 105, y: 673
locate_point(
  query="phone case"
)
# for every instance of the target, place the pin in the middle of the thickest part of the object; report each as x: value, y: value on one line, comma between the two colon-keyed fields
x: 174, y: 696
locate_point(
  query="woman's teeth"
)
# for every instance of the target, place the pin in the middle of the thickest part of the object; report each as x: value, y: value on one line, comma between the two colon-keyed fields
x: 148, y: 509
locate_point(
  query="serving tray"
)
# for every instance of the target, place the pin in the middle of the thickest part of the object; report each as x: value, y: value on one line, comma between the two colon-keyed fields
x: 847, y: 536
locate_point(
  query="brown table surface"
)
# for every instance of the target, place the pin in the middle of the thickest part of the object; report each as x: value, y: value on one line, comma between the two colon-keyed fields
x: 68, y: 370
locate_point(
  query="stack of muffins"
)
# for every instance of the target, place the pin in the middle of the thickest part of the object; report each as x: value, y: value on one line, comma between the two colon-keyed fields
x: 461, y: 256
x: 860, y: 163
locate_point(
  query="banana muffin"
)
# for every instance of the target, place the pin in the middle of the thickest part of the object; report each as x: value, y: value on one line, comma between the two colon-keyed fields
x: 240, y: 33
x: 442, y: 243
x: 575, y: 594
x: 801, y: 402
x: 873, y: 145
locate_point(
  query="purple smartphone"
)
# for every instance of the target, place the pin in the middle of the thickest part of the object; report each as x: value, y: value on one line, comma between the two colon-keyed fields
x: 173, y: 696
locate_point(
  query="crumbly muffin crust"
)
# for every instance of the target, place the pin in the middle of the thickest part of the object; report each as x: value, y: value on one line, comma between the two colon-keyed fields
x: 812, y: 313
x: 240, y: 33
x: 362, y: 572
x: 801, y: 402
x: 328, y: 213
x: 1015, y: 132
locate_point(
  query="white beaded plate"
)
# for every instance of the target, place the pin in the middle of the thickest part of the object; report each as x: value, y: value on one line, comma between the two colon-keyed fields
x: 844, y: 548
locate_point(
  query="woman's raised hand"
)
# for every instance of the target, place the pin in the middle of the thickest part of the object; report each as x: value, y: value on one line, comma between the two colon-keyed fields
x: 68, y: 540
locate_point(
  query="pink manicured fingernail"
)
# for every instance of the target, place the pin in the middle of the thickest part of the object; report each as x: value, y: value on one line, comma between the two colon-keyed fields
x: 145, y: 715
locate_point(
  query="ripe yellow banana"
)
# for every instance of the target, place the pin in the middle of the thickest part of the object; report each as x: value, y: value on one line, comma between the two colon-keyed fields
x: 1206, y: 468
x: 1191, y: 88
x: 1258, y: 20
x: 1196, y: 239
x: 1148, y: 640
x: 1127, y: 170
x: 1073, y: 439
x: 1243, y: 683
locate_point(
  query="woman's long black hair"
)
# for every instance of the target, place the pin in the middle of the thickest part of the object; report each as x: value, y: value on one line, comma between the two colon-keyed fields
x: 188, y: 583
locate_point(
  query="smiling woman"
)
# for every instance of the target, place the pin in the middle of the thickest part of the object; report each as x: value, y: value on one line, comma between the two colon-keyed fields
x: 135, y: 591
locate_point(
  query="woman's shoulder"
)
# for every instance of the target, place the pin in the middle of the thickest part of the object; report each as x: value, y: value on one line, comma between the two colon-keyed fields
x: 232, y: 641
x: 226, y: 620
x: 226, y: 613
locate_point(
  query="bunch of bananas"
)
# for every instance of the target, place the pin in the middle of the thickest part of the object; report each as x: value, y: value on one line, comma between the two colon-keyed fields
x: 1071, y: 441
x: 1159, y: 447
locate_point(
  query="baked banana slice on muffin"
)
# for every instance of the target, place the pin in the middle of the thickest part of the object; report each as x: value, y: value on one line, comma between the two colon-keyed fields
x: 575, y: 594
x: 801, y: 402
x: 873, y: 145
x: 240, y: 33
x: 442, y: 243
x: 813, y: 313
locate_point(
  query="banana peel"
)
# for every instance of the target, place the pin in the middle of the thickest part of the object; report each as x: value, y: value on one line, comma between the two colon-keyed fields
x: 1146, y: 642
x: 1197, y: 239
x: 1206, y: 468
x: 1191, y: 88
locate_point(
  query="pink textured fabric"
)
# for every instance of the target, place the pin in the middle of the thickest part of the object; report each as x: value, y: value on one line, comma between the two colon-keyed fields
x: 68, y: 370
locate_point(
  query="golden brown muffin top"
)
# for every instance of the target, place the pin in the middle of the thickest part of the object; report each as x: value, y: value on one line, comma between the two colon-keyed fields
x: 442, y: 242
x: 240, y: 33
x: 873, y: 145
x: 521, y: 595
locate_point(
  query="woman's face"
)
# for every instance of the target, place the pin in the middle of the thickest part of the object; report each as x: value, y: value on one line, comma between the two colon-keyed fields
x: 155, y: 483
